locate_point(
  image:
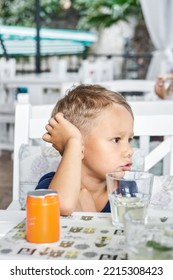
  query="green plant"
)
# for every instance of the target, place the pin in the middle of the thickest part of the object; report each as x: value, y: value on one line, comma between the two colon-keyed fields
x: 104, y: 13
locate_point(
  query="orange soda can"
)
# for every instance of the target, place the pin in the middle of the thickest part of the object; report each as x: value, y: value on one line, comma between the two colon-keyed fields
x: 42, y: 216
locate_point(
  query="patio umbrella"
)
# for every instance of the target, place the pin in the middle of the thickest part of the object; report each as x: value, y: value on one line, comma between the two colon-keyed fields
x: 21, y: 41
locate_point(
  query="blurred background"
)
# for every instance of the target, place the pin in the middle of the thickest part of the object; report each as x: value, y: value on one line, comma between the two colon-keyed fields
x: 118, y: 25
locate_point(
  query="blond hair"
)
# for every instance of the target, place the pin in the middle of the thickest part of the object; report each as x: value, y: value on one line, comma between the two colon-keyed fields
x: 83, y: 104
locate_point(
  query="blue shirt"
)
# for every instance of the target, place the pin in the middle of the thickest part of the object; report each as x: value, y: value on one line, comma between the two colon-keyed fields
x: 45, y: 181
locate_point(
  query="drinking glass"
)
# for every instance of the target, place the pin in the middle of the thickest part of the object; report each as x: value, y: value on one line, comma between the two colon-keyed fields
x: 149, y: 238
x: 127, y: 190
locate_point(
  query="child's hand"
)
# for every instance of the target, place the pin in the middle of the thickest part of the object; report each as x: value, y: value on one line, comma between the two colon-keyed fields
x: 160, y: 87
x: 60, y: 132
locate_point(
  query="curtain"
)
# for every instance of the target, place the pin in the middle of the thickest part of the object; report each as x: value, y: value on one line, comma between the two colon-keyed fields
x: 158, y: 15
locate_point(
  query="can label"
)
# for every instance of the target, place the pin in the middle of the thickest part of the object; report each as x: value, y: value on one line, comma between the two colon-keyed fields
x: 42, y: 216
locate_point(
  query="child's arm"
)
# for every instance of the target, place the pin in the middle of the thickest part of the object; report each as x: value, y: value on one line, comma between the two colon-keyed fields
x: 67, y: 180
x: 85, y: 202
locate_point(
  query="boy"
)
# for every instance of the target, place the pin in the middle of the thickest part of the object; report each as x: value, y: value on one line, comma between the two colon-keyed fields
x: 92, y: 128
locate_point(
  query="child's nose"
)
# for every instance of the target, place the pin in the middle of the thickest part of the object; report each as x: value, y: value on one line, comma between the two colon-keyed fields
x: 129, y: 151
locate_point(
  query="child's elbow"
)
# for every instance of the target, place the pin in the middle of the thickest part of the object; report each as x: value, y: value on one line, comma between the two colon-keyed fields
x: 67, y: 210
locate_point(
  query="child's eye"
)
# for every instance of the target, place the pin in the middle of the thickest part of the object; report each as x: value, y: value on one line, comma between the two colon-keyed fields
x: 116, y: 139
x: 130, y: 140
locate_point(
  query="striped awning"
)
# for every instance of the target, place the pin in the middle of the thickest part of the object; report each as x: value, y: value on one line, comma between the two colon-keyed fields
x: 21, y: 40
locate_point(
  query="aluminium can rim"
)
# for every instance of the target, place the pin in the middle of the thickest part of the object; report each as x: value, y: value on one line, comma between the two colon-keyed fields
x: 42, y: 193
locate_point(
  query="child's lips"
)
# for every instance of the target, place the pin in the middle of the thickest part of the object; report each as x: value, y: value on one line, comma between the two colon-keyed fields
x: 126, y: 167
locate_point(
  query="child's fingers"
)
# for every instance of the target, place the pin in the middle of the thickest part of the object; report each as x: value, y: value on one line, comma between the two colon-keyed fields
x: 52, y: 122
x: 46, y: 137
x: 159, y: 83
x: 59, y: 117
x: 48, y: 128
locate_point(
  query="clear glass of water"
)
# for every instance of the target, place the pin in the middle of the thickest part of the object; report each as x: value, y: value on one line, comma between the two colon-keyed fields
x: 149, y: 238
x: 128, y: 190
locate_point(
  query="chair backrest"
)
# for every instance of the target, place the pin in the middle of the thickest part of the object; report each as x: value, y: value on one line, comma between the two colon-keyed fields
x: 100, y: 69
x: 157, y: 107
x: 134, y: 86
x: 156, y: 125
x: 7, y: 68
x: 30, y: 121
x: 154, y: 118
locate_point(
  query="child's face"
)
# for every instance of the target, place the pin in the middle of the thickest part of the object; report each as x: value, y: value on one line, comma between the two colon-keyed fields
x: 108, y: 145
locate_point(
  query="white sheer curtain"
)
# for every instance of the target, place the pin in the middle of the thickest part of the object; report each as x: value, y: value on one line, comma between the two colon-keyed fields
x: 158, y: 15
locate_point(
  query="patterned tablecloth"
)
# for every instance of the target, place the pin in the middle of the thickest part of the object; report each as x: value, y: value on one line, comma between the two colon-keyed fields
x: 83, y: 236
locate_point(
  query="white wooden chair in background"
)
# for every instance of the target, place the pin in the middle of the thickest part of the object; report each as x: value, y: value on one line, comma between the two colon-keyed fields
x: 154, y: 120
x: 134, y: 86
x: 157, y: 125
x: 96, y: 70
x: 30, y: 124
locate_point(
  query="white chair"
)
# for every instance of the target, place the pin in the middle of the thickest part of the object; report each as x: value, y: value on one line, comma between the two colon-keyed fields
x: 30, y: 124
x: 95, y: 71
x: 156, y: 125
x: 89, y: 72
x: 144, y: 107
x: 59, y: 67
x: 7, y: 68
x: 151, y: 110
x: 30, y: 121
x: 132, y: 87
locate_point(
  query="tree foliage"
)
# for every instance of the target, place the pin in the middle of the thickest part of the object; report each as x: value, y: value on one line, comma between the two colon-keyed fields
x: 21, y: 12
x: 90, y: 13
x: 104, y: 13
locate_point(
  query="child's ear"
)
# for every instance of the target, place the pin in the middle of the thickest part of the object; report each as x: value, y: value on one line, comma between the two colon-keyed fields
x: 83, y: 149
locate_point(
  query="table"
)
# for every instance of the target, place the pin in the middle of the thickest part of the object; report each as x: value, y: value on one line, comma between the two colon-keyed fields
x: 83, y: 236
x: 42, y: 88
x: 9, y: 219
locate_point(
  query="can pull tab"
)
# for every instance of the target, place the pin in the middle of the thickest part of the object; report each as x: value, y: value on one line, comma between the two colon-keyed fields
x: 51, y: 197
x: 51, y: 194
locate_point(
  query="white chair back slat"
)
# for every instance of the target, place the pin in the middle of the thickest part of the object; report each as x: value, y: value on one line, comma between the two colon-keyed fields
x: 158, y: 153
x: 21, y: 136
x: 157, y: 107
x: 171, y: 156
x: 156, y: 125
x: 100, y: 69
x: 153, y: 125
x: 130, y: 85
